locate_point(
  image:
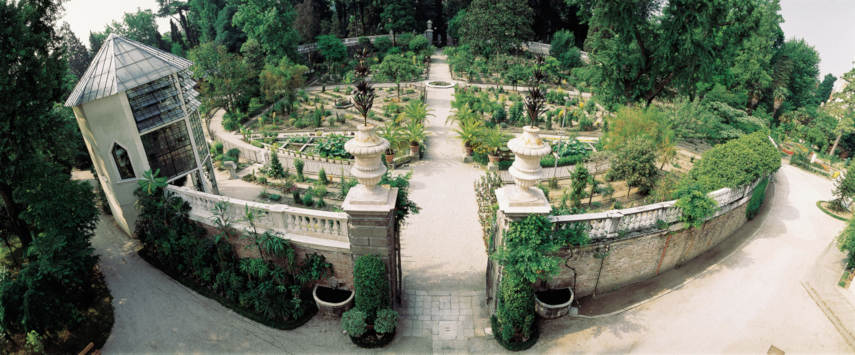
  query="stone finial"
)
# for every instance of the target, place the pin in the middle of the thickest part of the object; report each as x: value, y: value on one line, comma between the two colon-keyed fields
x: 528, y: 149
x: 366, y: 148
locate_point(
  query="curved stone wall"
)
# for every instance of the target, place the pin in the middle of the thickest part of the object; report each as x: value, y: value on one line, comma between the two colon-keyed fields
x: 611, y: 264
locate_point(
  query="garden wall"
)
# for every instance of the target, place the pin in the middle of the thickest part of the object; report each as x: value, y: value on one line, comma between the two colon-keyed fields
x: 624, y: 262
x: 635, y: 244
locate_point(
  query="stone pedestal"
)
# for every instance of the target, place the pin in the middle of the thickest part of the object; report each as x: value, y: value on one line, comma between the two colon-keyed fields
x: 371, y: 208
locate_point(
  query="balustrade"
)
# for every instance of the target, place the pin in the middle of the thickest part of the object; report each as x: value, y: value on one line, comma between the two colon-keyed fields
x: 283, y: 219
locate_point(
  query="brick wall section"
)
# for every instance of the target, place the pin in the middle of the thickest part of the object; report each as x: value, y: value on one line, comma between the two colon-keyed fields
x: 341, y: 260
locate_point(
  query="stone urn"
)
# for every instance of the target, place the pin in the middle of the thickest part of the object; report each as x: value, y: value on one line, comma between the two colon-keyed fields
x: 366, y: 148
x: 528, y: 149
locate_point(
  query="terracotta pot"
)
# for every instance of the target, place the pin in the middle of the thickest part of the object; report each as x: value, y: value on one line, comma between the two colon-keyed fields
x: 390, y: 158
x: 494, y: 159
x: 414, y: 150
x: 468, y: 150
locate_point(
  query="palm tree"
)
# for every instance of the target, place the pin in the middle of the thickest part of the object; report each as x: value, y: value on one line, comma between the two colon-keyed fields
x: 417, y: 111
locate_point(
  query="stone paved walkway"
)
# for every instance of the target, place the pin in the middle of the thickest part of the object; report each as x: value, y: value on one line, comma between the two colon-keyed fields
x: 443, y: 254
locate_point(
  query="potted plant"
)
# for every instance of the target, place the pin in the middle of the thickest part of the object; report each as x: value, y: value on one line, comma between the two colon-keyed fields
x: 415, y: 134
x: 493, y: 140
x: 332, y: 300
x: 469, y: 130
x: 392, y: 132
x: 371, y: 323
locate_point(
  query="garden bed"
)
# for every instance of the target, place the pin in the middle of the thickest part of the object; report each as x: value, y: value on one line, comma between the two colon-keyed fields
x: 825, y: 207
x: 308, y: 303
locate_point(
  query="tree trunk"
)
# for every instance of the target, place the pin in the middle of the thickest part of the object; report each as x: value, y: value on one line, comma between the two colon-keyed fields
x: 18, y: 226
x: 398, y: 85
x: 834, y: 146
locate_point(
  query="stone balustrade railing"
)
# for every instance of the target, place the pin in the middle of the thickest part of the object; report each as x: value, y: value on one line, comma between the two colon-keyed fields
x: 544, y: 48
x: 615, y: 223
x: 299, y: 224
x: 348, y: 42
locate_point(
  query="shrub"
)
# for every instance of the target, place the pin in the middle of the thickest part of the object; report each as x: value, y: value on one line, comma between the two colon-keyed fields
x: 844, y: 187
x: 370, y: 284
x: 322, y: 177
x: 275, y: 169
x: 298, y: 165
x: 307, y: 199
x: 738, y: 162
x: 527, y: 249
x: 354, y: 322
x: 386, y: 321
x: 757, y: 197
x: 346, y: 185
x: 696, y: 206
x: 846, y: 241
x: 636, y: 164
x: 232, y: 155
x: 217, y: 148
x: 515, y: 310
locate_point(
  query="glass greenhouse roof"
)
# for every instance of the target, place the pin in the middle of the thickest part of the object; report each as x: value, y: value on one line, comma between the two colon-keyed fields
x: 122, y: 64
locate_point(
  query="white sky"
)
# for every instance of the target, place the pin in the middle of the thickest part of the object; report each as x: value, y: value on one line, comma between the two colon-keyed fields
x: 825, y: 24
x: 86, y: 16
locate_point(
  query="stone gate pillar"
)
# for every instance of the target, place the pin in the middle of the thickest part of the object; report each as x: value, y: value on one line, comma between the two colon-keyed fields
x: 371, y: 208
x: 520, y: 200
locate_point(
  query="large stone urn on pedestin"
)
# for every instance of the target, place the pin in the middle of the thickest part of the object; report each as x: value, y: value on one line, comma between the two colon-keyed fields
x: 366, y: 148
x: 525, y: 198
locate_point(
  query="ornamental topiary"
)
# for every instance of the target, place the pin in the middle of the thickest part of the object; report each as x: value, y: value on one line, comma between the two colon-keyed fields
x: 386, y: 321
x: 354, y: 322
x: 298, y: 165
x: 370, y: 284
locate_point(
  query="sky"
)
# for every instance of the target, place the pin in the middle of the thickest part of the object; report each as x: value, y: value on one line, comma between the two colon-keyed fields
x: 86, y: 16
x: 825, y: 24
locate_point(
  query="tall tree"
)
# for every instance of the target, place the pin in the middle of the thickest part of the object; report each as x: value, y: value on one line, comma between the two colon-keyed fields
x: 797, y: 70
x: 270, y: 22
x: 333, y: 51
x: 398, y: 16
x: 496, y: 26
x: 139, y: 26
x: 177, y: 10
x: 203, y: 15
x: 640, y: 48
x: 823, y: 91
x: 225, y: 78
x: 32, y: 57
x: 76, y: 54
x: 311, y: 15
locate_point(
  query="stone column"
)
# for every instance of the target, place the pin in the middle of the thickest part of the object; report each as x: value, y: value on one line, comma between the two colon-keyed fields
x: 371, y: 208
x: 429, y: 31
x: 522, y: 199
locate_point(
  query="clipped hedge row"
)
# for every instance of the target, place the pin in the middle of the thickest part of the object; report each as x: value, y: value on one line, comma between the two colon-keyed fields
x: 738, y: 162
